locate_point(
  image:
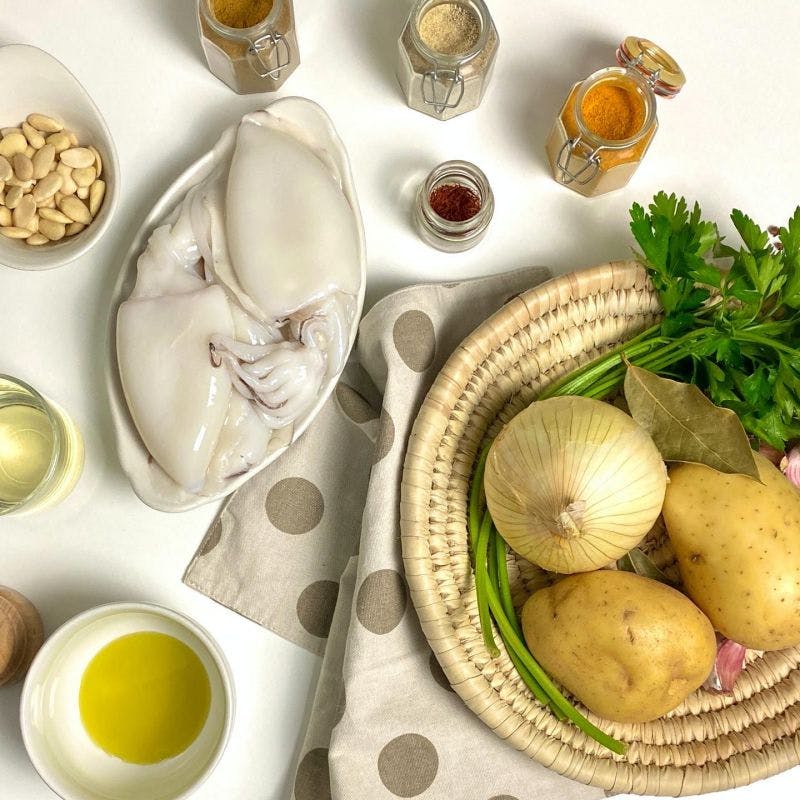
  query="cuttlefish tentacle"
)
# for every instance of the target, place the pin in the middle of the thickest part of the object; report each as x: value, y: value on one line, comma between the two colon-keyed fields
x: 282, y: 378
x: 325, y: 326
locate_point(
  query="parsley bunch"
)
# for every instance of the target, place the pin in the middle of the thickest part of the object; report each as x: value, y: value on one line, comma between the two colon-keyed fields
x: 732, y: 317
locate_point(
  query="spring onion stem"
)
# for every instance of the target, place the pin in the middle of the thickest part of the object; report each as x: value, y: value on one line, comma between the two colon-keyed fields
x: 503, y: 584
x: 476, y: 500
x: 482, y: 584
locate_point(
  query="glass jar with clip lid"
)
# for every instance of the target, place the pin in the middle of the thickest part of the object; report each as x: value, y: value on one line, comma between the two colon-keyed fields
x: 250, y: 46
x: 609, y: 119
x: 446, y: 54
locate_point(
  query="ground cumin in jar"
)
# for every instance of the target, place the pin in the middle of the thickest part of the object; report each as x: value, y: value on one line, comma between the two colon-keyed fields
x: 608, y: 120
x: 446, y: 54
x: 251, y: 45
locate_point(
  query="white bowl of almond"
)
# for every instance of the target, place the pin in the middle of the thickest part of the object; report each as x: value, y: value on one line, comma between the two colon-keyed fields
x: 58, y: 164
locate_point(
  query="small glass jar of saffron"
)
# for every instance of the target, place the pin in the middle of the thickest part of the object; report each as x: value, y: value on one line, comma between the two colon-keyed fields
x: 250, y: 46
x: 609, y: 119
x: 454, y: 207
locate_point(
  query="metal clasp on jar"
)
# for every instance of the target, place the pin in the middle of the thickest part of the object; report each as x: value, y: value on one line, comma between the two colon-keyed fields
x: 449, y: 80
x: 587, y: 172
x: 260, y: 54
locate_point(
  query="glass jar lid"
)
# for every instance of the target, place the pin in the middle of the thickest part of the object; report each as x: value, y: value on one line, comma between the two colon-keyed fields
x: 656, y: 64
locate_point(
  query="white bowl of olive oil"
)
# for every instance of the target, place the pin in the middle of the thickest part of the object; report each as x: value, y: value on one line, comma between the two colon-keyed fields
x: 127, y: 701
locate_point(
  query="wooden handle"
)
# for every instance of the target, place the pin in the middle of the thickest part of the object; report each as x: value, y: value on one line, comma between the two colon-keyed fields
x: 21, y: 635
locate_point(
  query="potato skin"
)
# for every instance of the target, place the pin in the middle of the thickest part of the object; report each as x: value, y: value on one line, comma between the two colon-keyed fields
x: 629, y: 648
x: 737, y: 542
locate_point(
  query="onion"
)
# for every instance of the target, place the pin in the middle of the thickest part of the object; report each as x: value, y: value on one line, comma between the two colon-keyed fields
x: 573, y: 484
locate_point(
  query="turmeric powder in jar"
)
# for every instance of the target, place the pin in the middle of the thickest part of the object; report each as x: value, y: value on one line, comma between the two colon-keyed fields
x: 612, y: 111
x: 251, y: 45
x: 608, y: 120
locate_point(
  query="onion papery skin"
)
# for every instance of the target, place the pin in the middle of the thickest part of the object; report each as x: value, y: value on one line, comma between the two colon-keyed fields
x: 573, y: 484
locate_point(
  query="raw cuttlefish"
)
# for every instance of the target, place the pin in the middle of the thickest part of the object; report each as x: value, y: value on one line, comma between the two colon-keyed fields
x: 245, y: 301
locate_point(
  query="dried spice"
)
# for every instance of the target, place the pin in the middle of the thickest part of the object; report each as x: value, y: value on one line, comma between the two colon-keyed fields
x: 455, y: 202
x: 686, y: 426
x: 241, y: 13
x: 612, y: 111
x: 450, y: 28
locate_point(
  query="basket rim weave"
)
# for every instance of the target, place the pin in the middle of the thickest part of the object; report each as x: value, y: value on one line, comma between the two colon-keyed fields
x: 710, y: 743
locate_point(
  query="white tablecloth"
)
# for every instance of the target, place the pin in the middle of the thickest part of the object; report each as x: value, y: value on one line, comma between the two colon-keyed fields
x: 729, y: 140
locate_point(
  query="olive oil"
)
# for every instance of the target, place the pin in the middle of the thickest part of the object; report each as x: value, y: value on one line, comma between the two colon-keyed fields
x: 41, y: 450
x: 145, y: 697
x: 26, y: 449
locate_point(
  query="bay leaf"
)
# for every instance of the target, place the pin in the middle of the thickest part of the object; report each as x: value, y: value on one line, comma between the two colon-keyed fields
x: 639, y: 562
x: 686, y: 426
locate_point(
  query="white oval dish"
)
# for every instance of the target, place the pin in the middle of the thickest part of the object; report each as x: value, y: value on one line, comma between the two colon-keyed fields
x: 34, y: 81
x: 59, y: 747
x: 149, y: 482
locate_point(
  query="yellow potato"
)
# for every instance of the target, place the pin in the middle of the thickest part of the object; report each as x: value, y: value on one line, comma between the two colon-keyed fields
x: 629, y: 648
x: 738, y: 547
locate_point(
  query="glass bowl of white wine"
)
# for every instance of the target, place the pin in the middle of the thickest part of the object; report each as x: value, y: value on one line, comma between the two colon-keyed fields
x: 41, y: 449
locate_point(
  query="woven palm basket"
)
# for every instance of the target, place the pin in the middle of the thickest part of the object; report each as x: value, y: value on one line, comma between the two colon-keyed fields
x: 711, y: 742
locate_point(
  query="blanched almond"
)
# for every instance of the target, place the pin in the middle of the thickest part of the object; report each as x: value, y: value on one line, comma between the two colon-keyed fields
x: 77, y: 157
x: 83, y: 192
x: 37, y: 239
x: 5, y: 217
x: 13, y: 196
x: 73, y: 138
x: 54, y: 215
x: 12, y: 144
x: 24, y: 185
x: 97, y: 191
x: 15, y: 233
x: 84, y: 176
x: 8, y: 131
x: 75, y: 227
x: 24, y: 212
x: 52, y: 230
x: 49, y: 203
x: 23, y: 167
x: 47, y: 187
x: 33, y: 224
x: 43, y: 161
x: 59, y: 140
x: 6, y: 170
x: 98, y: 162
x: 35, y: 139
x: 75, y: 210
x: 44, y: 123
x: 69, y: 186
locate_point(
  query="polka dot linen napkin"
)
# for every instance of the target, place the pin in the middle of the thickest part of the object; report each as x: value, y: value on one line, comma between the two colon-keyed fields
x: 310, y: 548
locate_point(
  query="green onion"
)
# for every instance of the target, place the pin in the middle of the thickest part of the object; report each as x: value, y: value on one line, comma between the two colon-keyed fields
x: 481, y: 584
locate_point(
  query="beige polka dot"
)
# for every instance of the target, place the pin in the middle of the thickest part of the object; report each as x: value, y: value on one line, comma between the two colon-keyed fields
x: 295, y: 505
x: 438, y: 673
x: 408, y: 765
x: 385, y: 438
x: 381, y: 601
x: 316, y: 605
x: 503, y: 797
x: 212, y: 538
x: 313, y: 779
x: 354, y: 405
x: 415, y: 339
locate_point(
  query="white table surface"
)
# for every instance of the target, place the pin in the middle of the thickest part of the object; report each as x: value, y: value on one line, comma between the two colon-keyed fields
x: 730, y: 140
